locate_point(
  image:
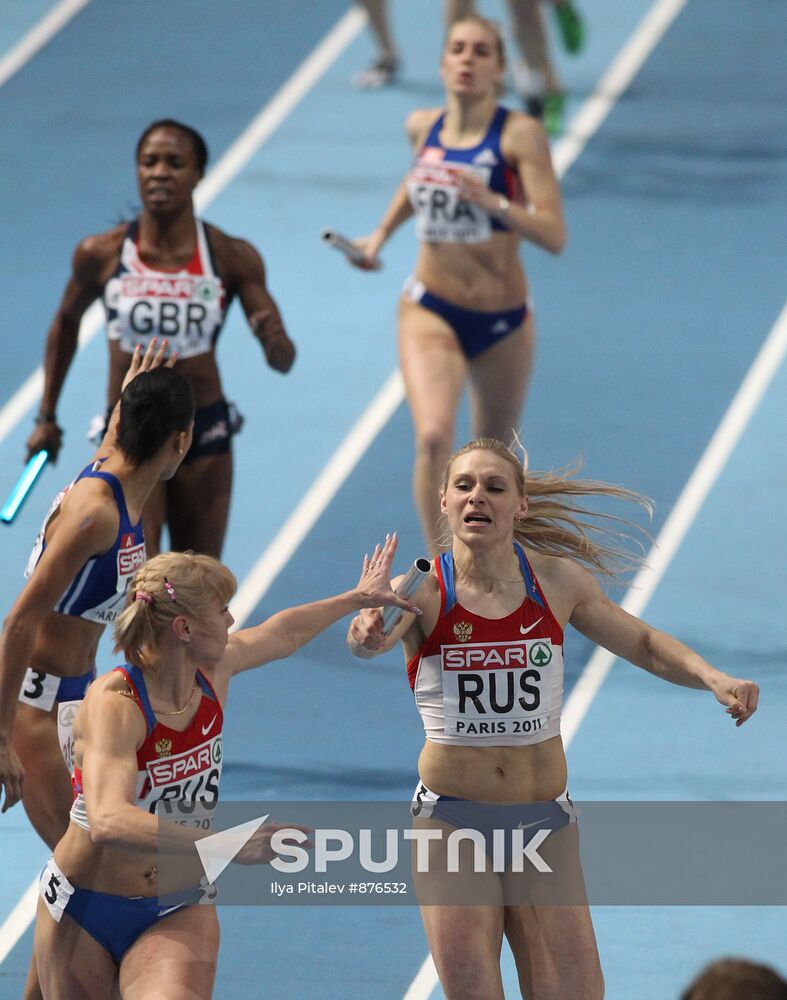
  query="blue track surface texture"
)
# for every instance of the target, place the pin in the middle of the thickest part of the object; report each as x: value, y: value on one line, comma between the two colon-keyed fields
x: 671, y: 282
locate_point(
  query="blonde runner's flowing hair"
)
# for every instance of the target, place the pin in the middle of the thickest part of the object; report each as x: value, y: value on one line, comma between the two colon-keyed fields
x: 558, y: 524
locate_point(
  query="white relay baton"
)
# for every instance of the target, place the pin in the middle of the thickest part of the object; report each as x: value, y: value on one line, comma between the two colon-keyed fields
x: 339, y: 242
x: 408, y: 585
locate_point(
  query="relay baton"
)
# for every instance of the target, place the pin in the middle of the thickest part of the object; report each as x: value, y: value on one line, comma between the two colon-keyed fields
x: 339, y: 242
x: 26, y: 482
x: 408, y: 585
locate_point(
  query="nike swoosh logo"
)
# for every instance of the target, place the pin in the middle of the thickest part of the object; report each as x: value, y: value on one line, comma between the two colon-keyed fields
x: 207, y: 729
x: 169, y: 909
x: 538, y: 822
x: 524, y: 630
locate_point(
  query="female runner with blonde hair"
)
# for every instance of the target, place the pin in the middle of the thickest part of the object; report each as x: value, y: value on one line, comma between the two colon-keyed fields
x: 481, y: 181
x: 485, y: 662
x: 148, y: 746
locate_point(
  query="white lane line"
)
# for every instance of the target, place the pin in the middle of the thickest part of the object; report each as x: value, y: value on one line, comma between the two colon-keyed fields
x: 316, y: 499
x: 18, y: 920
x: 682, y: 515
x: 38, y: 36
x: 277, y: 109
x: 348, y: 454
x: 622, y: 70
x: 231, y: 163
x: 424, y: 982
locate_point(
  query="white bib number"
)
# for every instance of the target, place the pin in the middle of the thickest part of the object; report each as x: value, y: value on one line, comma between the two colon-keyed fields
x: 66, y: 713
x: 496, y: 689
x: 185, y: 309
x: 55, y: 889
x: 441, y: 216
x: 39, y: 689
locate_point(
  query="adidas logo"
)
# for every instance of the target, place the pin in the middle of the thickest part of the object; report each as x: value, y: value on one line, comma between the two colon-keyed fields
x: 501, y: 326
x: 486, y: 157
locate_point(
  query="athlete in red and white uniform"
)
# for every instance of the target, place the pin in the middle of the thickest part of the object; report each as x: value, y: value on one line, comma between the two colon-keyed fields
x: 485, y: 664
x: 178, y: 775
x: 148, y: 754
x: 172, y: 276
x: 173, y: 765
x: 489, y: 682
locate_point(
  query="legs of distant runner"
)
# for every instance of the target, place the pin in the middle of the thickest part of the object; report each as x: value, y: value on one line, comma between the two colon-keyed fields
x: 383, y: 69
x: 198, y: 504
x: 498, y: 381
x: 434, y: 370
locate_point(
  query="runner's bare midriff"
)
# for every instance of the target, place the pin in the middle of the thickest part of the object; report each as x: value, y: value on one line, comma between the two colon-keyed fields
x: 481, y: 276
x: 121, y: 872
x: 535, y: 773
x: 65, y: 646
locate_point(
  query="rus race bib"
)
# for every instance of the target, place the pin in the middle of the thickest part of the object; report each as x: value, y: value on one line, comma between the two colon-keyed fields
x: 184, y: 787
x: 496, y: 688
x: 441, y: 216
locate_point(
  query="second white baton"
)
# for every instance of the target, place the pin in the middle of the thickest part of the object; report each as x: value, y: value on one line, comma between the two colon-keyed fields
x: 407, y: 586
x: 333, y: 239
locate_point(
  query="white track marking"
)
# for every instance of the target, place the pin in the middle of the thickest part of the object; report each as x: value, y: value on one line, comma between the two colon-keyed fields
x: 38, y: 36
x: 316, y: 499
x: 18, y: 920
x: 682, y: 515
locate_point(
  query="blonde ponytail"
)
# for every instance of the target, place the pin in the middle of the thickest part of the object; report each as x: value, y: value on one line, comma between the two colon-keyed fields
x: 171, y: 584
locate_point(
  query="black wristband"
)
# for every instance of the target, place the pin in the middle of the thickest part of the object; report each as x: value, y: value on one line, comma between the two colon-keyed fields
x: 46, y: 418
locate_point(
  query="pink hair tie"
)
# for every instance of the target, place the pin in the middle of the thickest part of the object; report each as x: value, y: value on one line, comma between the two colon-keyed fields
x: 169, y: 589
x: 143, y: 595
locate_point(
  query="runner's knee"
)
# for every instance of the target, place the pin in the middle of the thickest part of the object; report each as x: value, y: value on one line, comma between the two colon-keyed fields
x: 433, y: 444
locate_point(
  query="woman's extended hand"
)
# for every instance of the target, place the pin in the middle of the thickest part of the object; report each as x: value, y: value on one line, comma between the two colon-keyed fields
x: 740, y: 697
x: 258, y: 851
x: 369, y: 247
x: 154, y: 357
x: 374, y: 587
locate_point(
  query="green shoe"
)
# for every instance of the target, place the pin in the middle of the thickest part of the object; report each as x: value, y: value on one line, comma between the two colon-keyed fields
x: 553, y: 113
x: 571, y: 27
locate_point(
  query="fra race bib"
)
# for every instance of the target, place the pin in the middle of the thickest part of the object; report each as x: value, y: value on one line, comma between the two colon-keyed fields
x: 441, y: 216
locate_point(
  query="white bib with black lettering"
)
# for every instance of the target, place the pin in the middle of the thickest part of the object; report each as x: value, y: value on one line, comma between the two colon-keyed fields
x: 441, y: 216
x: 496, y: 688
